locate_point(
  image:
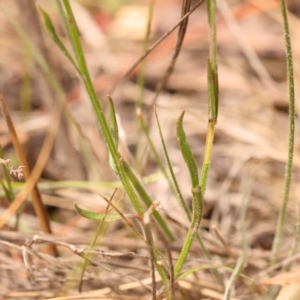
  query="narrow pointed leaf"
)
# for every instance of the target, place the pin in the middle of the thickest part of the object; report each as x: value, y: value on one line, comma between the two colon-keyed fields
x: 178, y: 191
x: 51, y: 30
x: 213, y: 84
x: 99, y: 217
x: 114, y: 130
x: 186, y: 152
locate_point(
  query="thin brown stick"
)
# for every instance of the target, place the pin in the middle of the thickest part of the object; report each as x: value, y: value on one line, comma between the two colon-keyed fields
x: 34, y: 176
x: 186, y: 5
x: 38, y: 205
x: 80, y: 252
x: 135, y: 64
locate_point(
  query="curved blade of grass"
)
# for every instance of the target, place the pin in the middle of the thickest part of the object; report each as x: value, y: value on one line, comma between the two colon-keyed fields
x: 99, y: 217
x: 289, y: 165
x: 175, y: 183
x: 114, y: 130
x: 197, y: 199
x: 51, y: 30
x: 197, y: 202
x: 186, y: 152
x: 175, y: 189
x: 182, y: 202
x: 120, y: 214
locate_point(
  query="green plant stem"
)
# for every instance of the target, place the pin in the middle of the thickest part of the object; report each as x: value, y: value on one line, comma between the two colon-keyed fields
x: 182, y: 202
x: 207, y: 155
x: 174, y: 186
x: 289, y: 165
x: 213, y: 82
x: 197, y: 199
x: 195, y: 224
x: 98, y: 109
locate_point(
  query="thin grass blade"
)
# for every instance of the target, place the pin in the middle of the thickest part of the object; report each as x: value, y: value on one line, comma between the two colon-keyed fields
x: 114, y: 130
x: 52, y: 32
x: 99, y: 217
x: 292, y: 112
x: 186, y: 152
x: 175, y: 183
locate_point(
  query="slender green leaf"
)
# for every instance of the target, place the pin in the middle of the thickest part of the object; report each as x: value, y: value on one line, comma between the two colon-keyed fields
x: 186, y: 152
x: 113, y: 122
x: 114, y: 130
x: 213, y: 83
x: 175, y: 183
x: 182, y: 202
x: 51, y: 30
x: 197, y: 202
x: 289, y: 165
x: 99, y: 217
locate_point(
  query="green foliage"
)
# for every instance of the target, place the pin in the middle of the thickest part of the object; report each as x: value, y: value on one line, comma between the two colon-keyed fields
x: 186, y: 152
x: 99, y: 217
x: 113, y: 125
x: 51, y: 30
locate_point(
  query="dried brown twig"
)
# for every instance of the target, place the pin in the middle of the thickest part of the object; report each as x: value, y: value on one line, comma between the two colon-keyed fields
x: 36, y: 196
